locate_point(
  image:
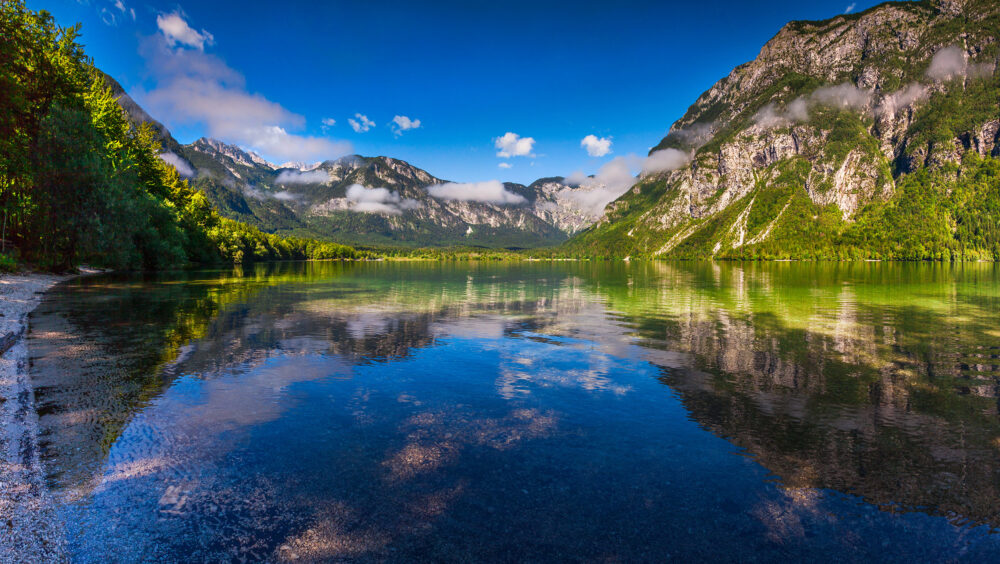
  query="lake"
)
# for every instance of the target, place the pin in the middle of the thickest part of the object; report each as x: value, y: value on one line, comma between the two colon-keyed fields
x: 591, y: 411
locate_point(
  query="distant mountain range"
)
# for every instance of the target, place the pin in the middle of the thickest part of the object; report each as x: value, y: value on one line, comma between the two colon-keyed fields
x: 370, y: 200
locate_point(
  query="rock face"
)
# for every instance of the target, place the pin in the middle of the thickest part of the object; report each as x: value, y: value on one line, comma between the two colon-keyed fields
x: 218, y: 149
x: 381, y: 200
x: 829, y: 117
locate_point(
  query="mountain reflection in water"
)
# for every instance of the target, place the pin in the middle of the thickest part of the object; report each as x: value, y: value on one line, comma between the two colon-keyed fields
x: 392, y: 411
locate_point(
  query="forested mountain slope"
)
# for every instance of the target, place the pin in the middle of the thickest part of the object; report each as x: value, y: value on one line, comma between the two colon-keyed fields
x: 869, y: 135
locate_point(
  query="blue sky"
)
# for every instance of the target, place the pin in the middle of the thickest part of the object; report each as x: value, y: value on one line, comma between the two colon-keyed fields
x: 266, y: 74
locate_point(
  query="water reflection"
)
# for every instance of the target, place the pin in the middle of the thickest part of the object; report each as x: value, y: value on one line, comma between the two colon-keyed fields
x: 485, y: 411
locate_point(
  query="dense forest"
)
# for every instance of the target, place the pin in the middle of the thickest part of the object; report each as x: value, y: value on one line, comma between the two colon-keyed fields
x: 80, y: 183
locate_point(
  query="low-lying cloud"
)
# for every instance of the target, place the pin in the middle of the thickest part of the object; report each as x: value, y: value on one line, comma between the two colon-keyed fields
x: 489, y: 192
x: 694, y: 135
x: 258, y: 194
x: 593, y: 193
x: 378, y: 200
x: 902, y: 98
x: 596, y: 146
x: 513, y: 145
x: 303, y: 177
x: 182, y: 166
x: 951, y: 62
x: 947, y: 64
x: 845, y: 96
x: 665, y: 160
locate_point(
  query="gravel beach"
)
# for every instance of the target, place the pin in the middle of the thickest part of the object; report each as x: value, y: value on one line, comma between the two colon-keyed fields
x: 29, y: 528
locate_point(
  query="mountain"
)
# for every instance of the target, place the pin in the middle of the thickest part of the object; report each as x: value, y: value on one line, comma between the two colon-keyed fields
x: 381, y: 201
x: 369, y: 200
x: 869, y: 135
x: 139, y: 115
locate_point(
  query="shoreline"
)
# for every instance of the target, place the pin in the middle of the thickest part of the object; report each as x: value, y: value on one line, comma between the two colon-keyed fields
x: 29, y: 528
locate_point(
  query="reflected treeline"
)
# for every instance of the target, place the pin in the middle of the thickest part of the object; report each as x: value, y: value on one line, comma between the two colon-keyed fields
x: 874, y: 379
x: 104, y: 347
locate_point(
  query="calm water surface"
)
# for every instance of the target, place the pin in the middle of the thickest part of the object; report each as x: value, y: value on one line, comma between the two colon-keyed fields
x: 529, y: 411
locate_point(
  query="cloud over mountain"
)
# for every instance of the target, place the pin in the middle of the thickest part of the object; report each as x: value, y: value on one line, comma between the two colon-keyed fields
x: 183, y: 168
x: 303, y: 177
x: 490, y: 192
x: 378, y: 200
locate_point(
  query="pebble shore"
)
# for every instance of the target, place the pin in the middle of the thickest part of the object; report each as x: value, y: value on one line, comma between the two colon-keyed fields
x: 30, y: 530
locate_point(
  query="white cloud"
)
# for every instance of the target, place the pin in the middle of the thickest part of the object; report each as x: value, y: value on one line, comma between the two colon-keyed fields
x: 490, y: 192
x: 850, y: 7
x: 596, y: 146
x: 770, y: 116
x: 844, y: 96
x: 946, y: 64
x: 950, y: 62
x: 906, y: 96
x: 595, y: 193
x: 362, y: 124
x: 695, y: 135
x: 182, y: 166
x: 592, y: 194
x: 258, y: 194
x: 193, y: 87
x: 177, y: 31
x: 504, y: 165
x: 665, y: 160
x: 327, y: 123
x: 403, y: 123
x: 303, y: 177
x: 513, y: 145
x: 378, y: 200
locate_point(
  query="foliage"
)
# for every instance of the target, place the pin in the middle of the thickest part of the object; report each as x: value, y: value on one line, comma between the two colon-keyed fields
x: 80, y: 182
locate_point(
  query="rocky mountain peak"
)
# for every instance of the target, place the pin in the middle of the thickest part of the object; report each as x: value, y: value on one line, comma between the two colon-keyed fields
x: 237, y: 154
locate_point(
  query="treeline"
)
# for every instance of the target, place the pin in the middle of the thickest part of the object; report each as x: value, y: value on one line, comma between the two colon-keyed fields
x: 80, y: 183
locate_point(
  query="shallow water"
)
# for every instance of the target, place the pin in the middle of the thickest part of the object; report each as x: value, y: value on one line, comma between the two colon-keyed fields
x: 526, y: 411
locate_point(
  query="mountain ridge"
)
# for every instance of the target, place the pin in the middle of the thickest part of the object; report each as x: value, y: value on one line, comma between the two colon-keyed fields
x: 392, y: 207
x: 806, y: 151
